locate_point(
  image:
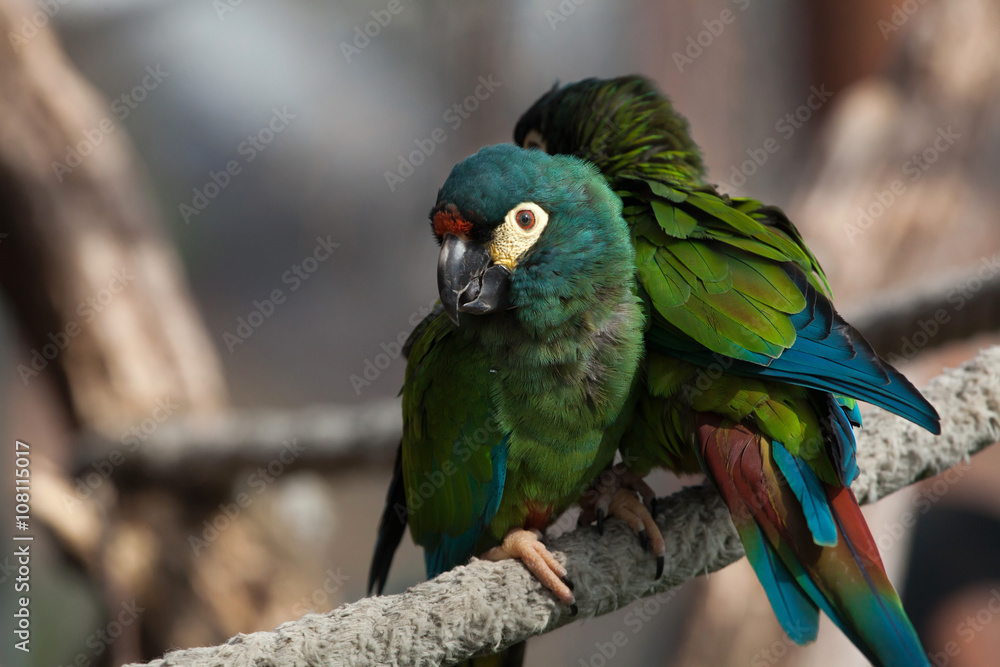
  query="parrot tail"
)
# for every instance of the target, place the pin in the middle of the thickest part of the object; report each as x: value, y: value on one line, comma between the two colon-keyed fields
x: 390, y: 528
x: 808, y: 543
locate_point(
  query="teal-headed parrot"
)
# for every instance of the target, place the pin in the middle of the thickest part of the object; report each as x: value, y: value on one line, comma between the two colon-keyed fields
x: 749, y: 374
x: 517, y: 383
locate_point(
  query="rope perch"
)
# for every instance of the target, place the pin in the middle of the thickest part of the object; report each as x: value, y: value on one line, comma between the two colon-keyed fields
x: 484, y: 606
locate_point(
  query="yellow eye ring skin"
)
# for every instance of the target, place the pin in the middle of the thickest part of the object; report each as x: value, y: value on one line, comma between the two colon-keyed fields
x: 520, y: 230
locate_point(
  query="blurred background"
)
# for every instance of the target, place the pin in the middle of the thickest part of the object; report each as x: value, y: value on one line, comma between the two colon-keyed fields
x: 213, y: 237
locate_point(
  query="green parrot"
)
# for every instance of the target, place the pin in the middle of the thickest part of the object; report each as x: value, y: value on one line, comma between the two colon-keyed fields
x: 749, y: 374
x: 517, y: 382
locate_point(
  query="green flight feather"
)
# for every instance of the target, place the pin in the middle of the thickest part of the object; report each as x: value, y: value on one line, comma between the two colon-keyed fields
x: 440, y: 435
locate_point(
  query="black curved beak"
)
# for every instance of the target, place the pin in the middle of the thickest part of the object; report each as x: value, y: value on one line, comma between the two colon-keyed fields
x: 467, y: 283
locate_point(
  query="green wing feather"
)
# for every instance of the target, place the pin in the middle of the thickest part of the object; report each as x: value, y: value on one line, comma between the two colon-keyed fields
x: 448, y: 440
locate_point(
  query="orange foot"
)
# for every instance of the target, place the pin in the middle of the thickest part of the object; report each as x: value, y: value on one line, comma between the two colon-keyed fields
x: 617, y: 493
x: 526, y: 546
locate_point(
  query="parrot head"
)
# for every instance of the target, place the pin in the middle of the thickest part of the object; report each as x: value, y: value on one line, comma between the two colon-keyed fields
x: 526, y: 230
x: 613, y: 123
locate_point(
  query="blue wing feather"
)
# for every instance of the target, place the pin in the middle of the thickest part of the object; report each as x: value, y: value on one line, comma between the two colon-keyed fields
x: 452, y: 551
x: 828, y: 354
x: 845, y: 447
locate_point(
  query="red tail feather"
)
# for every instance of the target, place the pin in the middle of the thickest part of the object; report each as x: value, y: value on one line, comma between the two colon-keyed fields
x: 847, y: 580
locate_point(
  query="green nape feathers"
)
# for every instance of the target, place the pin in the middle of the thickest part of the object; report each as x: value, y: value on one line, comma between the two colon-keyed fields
x: 624, y: 126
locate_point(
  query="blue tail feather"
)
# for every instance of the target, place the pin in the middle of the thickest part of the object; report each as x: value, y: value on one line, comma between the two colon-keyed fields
x: 807, y: 488
x: 796, y: 613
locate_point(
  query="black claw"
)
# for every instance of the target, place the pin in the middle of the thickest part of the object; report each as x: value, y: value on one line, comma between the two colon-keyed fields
x: 573, y: 609
x: 660, y: 562
x: 643, y: 539
x: 600, y: 520
x: 569, y: 582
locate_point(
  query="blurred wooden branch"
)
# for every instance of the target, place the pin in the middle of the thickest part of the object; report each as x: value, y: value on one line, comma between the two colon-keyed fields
x: 486, y: 606
x: 98, y: 296
x: 209, y: 449
x: 96, y: 288
x: 906, y: 322
x: 898, y: 186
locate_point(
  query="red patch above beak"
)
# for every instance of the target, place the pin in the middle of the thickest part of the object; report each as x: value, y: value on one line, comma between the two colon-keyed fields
x: 450, y: 221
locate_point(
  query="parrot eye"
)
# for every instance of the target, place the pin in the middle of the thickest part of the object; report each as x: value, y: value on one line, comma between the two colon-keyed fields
x: 534, y: 139
x: 525, y: 218
x: 521, y: 228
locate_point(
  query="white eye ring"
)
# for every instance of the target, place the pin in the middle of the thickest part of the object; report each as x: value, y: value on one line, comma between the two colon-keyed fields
x: 528, y: 218
x: 521, y: 228
x: 534, y: 139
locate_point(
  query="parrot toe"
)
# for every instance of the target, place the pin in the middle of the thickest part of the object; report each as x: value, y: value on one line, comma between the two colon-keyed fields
x: 626, y: 496
x: 526, y: 546
x: 627, y: 507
